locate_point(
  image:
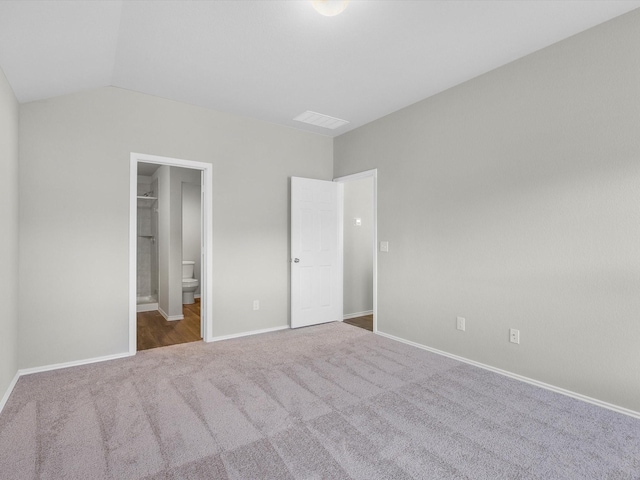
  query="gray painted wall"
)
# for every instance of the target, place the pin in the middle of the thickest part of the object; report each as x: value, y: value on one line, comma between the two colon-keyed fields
x: 74, y: 154
x: 166, y: 302
x: 9, y: 236
x: 514, y: 200
x: 178, y: 176
x: 170, y: 181
x: 358, y: 246
x: 191, y: 227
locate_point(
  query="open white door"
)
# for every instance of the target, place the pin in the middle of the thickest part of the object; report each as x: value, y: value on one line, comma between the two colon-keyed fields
x: 316, y: 270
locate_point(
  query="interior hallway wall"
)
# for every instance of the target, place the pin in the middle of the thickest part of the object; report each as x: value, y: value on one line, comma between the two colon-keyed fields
x: 358, y: 246
x: 9, y: 238
x: 74, y: 152
x: 513, y: 200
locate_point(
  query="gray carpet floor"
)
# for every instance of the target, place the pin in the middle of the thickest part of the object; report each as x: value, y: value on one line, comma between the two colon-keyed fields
x: 325, y: 402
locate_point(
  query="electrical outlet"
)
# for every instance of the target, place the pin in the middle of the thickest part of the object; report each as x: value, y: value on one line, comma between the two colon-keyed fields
x: 256, y: 304
x: 460, y: 323
x: 384, y: 246
x: 514, y: 336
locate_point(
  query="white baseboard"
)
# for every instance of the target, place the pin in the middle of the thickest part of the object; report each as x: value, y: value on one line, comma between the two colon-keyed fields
x: 170, y: 318
x: 7, y: 394
x: 75, y: 363
x: 146, y: 307
x: 553, y: 388
x: 56, y: 366
x: 347, y: 316
x: 245, y: 334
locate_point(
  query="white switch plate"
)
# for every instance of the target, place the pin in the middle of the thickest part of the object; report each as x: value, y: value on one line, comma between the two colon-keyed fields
x: 357, y: 222
x: 256, y: 304
x: 460, y: 323
x: 384, y: 246
x: 514, y: 336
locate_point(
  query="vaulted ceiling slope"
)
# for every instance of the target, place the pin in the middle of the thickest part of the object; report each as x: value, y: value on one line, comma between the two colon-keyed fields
x: 273, y: 60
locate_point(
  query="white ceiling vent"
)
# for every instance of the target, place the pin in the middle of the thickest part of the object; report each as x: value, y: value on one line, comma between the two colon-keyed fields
x: 320, y: 120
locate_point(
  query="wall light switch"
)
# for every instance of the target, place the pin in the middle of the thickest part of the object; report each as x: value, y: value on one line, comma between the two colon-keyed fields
x: 357, y: 222
x: 256, y: 304
x: 460, y: 323
x: 384, y: 246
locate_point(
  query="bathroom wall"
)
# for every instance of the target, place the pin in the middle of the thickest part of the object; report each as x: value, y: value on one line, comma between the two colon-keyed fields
x: 513, y: 200
x: 178, y: 177
x: 154, y: 243
x: 358, y: 247
x: 75, y: 152
x: 144, y: 240
x: 167, y: 303
x: 9, y: 276
x: 191, y: 227
x: 170, y: 227
x: 170, y: 236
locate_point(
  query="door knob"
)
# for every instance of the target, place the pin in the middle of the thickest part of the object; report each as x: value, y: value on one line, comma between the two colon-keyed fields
x: 296, y: 260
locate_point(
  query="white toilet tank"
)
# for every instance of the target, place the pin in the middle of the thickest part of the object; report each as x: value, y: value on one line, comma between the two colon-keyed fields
x: 187, y: 268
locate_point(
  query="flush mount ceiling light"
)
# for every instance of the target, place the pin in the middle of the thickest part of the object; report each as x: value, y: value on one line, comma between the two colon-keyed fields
x: 329, y: 8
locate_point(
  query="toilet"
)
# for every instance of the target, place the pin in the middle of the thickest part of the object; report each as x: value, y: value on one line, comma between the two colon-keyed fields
x: 189, y: 284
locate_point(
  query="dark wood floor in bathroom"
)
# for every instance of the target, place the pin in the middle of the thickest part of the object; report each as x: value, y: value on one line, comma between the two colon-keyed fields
x: 154, y: 331
x: 366, y: 322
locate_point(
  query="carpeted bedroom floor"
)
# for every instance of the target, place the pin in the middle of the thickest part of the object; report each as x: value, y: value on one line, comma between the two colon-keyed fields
x: 325, y: 402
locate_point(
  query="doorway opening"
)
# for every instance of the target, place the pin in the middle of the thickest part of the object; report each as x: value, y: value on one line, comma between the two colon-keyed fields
x: 359, y: 252
x: 170, y: 252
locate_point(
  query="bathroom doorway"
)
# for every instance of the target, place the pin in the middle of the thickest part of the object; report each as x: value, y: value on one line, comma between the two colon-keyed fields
x: 170, y: 252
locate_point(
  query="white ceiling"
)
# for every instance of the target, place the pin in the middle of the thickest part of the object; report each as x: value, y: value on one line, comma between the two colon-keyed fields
x: 273, y: 60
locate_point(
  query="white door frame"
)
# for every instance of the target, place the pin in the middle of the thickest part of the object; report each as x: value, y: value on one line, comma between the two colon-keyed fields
x: 350, y: 178
x: 207, y: 234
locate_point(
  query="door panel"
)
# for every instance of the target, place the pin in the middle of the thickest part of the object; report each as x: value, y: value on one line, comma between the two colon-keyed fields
x: 316, y: 276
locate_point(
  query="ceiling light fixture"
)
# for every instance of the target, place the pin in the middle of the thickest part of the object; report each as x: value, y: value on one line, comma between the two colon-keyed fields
x: 329, y: 8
